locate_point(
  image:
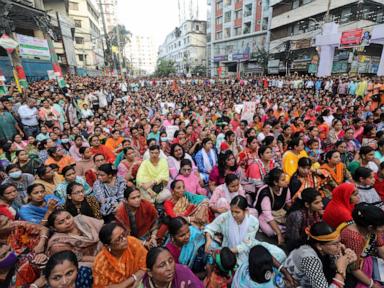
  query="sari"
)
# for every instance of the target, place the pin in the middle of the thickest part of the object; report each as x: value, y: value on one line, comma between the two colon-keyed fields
x: 35, y: 214
x: 108, y: 270
x: 243, y: 280
x: 183, y: 278
x: 188, y: 253
x: 86, y: 244
x: 144, y: 219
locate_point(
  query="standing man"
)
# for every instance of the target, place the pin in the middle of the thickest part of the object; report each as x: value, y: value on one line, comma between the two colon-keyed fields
x: 29, y: 117
x: 8, y: 125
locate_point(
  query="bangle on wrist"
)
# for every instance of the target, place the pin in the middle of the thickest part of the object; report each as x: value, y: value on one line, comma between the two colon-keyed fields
x: 280, y: 267
x: 340, y: 273
x: 134, y: 277
x: 33, y: 285
x: 371, y: 283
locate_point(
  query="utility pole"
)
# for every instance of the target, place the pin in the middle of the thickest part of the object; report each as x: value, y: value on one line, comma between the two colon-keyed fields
x: 107, y: 42
x: 327, y: 18
x: 119, y: 49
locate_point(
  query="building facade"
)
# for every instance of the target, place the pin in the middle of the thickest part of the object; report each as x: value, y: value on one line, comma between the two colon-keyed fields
x: 237, y: 32
x: 142, y: 55
x: 88, y: 36
x: 186, y: 46
x: 296, y: 24
x: 109, y: 8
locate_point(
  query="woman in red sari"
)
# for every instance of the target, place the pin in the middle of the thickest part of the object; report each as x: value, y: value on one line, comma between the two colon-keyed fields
x: 339, y: 209
x: 138, y: 216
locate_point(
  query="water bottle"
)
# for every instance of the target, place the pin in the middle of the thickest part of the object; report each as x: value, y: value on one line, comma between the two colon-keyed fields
x: 279, y: 281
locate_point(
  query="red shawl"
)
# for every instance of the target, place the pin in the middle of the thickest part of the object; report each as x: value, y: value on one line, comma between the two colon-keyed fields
x: 145, y: 217
x: 340, y: 208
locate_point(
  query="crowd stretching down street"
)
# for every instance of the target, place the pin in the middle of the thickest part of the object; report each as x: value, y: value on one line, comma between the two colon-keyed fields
x: 192, y: 182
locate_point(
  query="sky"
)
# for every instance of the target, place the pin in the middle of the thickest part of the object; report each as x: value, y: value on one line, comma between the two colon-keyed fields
x: 155, y: 18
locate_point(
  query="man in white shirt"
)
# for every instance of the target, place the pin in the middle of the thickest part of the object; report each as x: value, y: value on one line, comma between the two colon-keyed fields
x: 29, y: 117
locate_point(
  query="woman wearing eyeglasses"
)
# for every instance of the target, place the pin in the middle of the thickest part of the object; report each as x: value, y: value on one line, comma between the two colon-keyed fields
x: 121, y: 262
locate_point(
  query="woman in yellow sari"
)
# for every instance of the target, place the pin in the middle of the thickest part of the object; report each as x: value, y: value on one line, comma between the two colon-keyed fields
x: 292, y: 156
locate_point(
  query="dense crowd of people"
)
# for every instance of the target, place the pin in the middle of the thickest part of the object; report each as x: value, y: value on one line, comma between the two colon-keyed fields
x: 175, y: 183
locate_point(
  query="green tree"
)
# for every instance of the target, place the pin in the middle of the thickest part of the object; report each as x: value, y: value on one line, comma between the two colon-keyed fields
x: 200, y: 70
x: 125, y: 36
x: 165, y: 68
x: 262, y: 58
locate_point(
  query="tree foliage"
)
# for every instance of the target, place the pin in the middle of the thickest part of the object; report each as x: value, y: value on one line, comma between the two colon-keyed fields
x: 165, y: 68
x: 200, y: 70
x: 125, y: 36
x: 262, y: 58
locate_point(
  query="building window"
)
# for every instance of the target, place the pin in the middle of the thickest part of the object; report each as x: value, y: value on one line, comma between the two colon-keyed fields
x: 73, y: 6
x: 227, y: 32
x: 198, y: 27
x: 247, y: 28
x: 248, y: 10
x: 238, y: 14
x: 237, y: 31
x: 82, y: 57
x: 78, y: 23
x: 227, y: 2
x: 79, y: 40
x: 219, y: 20
x: 219, y: 35
x: 227, y: 16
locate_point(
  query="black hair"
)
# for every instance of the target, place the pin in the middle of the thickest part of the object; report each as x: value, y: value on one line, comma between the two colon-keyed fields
x: 368, y: 128
x: 329, y: 154
x: 96, y: 155
x: 319, y: 229
x: 152, y: 255
x: 206, y: 140
x: 173, y: 183
x: 240, y: 202
x: 308, y: 195
x: 305, y: 162
x: 230, y: 178
x: 174, y: 224
x: 221, y: 162
x: 364, y: 150
x: 228, y: 261
x: 52, y: 217
x: 250, y: 139
x: 59, y: 258
x: 4, y: 187
x: 273, y: 176
x: 33, y: 186
x: 247, y: 132
x: 108, y: 169
x: 228, y: 134
x: 154, y: 147
x: 339, y: 142
x: 268, y: 140
x: 52, y: 151
x: 294, y: 142
x: 71, y: 186
x: 67, y: 168
x: 105, y: 234
x: 262, y: 150
x: 361, y: 172
x: 380, y: 143
x: 185, y: 162
x: 173, y: 148
x: 128, y: 190
x: 260, y: 263
x: 82, y: 150
x: 365, y: 215
x: 150, y: 140
x: 10, y: 167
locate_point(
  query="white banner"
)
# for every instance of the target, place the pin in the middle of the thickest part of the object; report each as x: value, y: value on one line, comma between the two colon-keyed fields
x: 248, y: 111
x: 31, y: 47
x: 171, y: 131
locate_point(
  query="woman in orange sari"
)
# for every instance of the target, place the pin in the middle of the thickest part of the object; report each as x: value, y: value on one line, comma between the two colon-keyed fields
x: 121, y: 260
x: 336, y: 172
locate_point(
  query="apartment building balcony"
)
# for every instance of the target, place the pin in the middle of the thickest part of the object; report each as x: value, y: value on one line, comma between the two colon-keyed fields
x: 238, y: 22
x: 239, y: 5
x: 219, y: 12
x: 219, y: 27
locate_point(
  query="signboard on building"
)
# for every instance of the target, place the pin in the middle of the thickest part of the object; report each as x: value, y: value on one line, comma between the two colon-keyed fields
x: 240, y: 56
x: 67, y: 27
x: 355, y: 38
x: 301, y: 44
x: 34, y: 48
x: 220, y: 58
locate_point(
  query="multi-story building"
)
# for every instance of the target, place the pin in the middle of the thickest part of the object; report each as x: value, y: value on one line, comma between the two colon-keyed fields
x: 88, y: 37
x: 237, y: 32
x: 296, y: 24
x: 109, y: 8
x: 186, y: 46
x: 141, y: 54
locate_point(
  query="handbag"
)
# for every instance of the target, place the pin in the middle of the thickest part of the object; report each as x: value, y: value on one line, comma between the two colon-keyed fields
x: 157, y: 188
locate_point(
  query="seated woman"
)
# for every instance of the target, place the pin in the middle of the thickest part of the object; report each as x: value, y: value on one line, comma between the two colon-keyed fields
x: 26, y: 163
x: 258, y: 271
x: 62, y: 270
x: 138, y: 216
x: 191, y: 206
x: 174, y: 160
x: 79, y: 204
x: 225, y: 165
x: 223, y: 194
x: 193, y: 182
x: 339, y: 209
x: 129, y: 166
x: 8, y: 194
x: 121, y: 260
x: 221, y: 269
x: 364, y: 235
x: 367, y: 159
x: 365, y: 179
x: 304, y: 212
x: 336, y: 170
x: 153, y: 176
x: 69, y: 174
x: 186, y: 244
x: 109, y: 190
x: 40, y: 205
x: 292, y: 156
x: 271, y: 203
x: 246, y: 226
x: 321, y: 263
x: 206, y: 159
x: 304, y: 178
x: 345, y: 155
x: 79, y: 234
x: 259, y: 168
x: 49, y: 178
x: 160, y: 260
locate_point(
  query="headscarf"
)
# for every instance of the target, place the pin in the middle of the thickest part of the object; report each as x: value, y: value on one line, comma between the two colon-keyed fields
x: 340, y: 208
